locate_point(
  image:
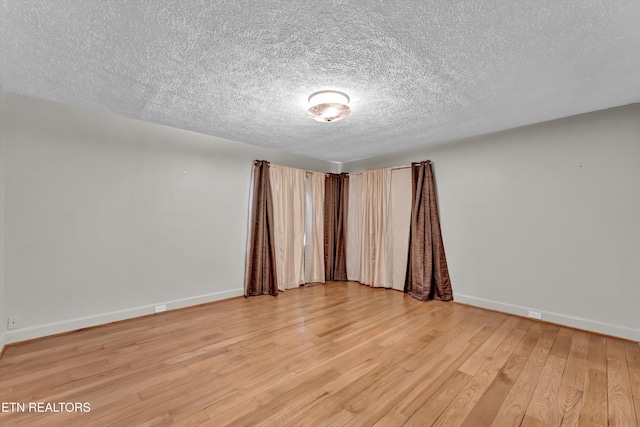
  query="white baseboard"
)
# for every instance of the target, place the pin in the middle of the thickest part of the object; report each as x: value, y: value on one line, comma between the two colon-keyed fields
x: 39, y: 331
x: 562, y: 319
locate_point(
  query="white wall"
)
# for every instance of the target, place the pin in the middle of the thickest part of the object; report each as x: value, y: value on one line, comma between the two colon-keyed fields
x: 101, y: 222
x: 3, y: 319
x: 107, y: 216
x: 544, y: 218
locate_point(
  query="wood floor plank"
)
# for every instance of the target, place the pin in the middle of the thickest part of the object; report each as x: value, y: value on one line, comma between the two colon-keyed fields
x: 335, y: 354
x: 633, y: 363
x: 426, y: 387
x: 400, y: 384
x: 486, y: 408
x: 514, y: 406
x: 461, y: 406
x: 438, y: 401
x: 594, y: 399
x: 621, y: 409
x: 569, y: 400
x: 542, y: 409
x: 471, y: 366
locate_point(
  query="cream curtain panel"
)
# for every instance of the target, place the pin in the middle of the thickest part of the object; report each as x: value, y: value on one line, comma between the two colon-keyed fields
x: 378, y: 221
x: 400, y: 212
x: 373, y: 246
x: 314, y: 244
x: 288, y: 191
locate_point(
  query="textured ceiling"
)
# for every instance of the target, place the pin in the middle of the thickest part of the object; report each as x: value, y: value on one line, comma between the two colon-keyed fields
x: 417, y: 72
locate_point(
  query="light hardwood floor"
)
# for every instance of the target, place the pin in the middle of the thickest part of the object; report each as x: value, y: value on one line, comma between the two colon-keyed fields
x: 334, y: 354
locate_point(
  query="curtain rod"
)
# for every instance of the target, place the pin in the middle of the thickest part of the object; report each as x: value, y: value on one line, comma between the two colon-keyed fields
x: 408, y: 166
x: 389, y: 168
x: 400, y: 167
x: 291, y: 167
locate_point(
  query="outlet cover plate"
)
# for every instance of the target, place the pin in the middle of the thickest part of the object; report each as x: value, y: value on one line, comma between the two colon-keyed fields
x: 535, y: 315
x: 13, y: 322
x: 161, y: 308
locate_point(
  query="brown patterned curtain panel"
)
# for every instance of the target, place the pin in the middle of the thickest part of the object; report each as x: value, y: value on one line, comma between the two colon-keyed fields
x: 427, y: 272
x: 336, y: 199
x: 261, y: 261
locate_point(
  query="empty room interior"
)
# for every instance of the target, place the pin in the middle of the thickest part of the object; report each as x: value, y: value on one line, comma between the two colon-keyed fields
x: 320, y: 213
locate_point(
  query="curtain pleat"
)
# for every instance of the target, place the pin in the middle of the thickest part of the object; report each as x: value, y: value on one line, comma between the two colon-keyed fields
x: 354, y: 224
x: 388, y: 268
x: 335, y: 226
x: 261, y: 278
x: 287, y: 186
x: 427, y: 272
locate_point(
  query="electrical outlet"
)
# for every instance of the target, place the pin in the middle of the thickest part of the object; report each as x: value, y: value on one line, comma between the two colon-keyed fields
x: 161, y: 308
x: 535, y: 315
x: 13, y: 322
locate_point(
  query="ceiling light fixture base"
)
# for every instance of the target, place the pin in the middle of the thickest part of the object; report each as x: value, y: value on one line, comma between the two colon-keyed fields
x: 328, y: 106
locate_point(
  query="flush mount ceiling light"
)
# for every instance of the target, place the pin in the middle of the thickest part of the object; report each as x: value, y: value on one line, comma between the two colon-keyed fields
x: 328, y: 106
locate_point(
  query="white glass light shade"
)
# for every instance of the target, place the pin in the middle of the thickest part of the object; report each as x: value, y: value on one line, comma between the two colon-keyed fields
x: 328, y: 106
